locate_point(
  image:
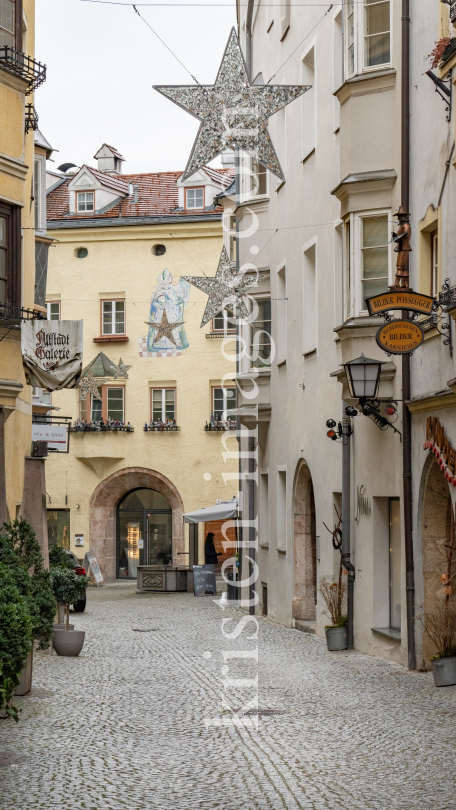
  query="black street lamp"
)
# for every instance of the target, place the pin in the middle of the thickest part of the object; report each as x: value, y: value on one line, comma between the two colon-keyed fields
x: 363, y: 377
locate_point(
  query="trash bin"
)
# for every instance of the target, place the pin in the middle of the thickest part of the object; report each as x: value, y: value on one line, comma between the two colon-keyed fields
x: 232, y: 590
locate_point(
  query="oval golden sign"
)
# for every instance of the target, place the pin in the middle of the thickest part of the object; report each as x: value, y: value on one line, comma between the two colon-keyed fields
x: 399, y: 337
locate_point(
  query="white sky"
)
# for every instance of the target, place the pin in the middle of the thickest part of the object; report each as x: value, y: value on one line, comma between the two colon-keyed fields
x: 102, y: 61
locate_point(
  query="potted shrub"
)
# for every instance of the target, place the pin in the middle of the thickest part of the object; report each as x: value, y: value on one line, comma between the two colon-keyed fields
x: 20, y: 555
x: 334, y: 595
x: 67, y: 587
x: 15, y: 638
x: 58, y: 558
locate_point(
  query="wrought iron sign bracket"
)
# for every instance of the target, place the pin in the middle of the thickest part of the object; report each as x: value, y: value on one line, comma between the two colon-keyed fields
x: 441, y: 88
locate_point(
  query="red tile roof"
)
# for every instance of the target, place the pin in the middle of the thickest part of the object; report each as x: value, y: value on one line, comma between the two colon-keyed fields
x: 157, y: 195
x: 113, y: 181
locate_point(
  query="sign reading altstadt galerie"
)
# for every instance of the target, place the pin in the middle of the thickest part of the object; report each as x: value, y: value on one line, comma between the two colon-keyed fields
x: 399, y: 337
x: 52, y: 353
x: 399, y: 299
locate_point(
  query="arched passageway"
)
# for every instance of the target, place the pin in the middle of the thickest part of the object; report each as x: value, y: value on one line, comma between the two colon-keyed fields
x: 305, y: 546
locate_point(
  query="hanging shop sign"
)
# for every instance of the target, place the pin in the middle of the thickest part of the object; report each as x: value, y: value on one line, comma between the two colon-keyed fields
x: 398, y: 299
x: 52, y: 353
x: 399, y: 337
x: 55, y: 433
x: 440, y: 445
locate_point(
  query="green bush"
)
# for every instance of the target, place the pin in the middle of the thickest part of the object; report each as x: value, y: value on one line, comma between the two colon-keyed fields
x: 27, y: 604
x: 68, y: 587
x: 59, y: 557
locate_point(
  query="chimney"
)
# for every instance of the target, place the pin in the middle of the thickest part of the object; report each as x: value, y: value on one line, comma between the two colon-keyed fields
x: 109, y: 160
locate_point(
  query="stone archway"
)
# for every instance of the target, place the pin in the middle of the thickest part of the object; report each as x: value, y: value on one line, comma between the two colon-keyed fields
x: 305, y: 546
x: 103, y: 503
x: 435, y: 532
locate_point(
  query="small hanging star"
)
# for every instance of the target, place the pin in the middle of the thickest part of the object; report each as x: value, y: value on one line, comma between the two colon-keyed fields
x: 164, y: 328
x: 121, y: 370
x: 89, y: 385
x: 225, y: 290
x: 233, y: 112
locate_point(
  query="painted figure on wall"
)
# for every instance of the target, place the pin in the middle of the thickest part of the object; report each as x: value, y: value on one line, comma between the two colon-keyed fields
x: 167, y: 308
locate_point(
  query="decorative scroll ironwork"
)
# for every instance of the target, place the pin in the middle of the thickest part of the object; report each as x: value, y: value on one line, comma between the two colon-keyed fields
x: 12, y: 313
x: 31, y: 118
x: 24, y: 66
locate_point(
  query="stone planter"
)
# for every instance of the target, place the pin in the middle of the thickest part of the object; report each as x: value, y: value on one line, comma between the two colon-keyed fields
x: 25, y: 676
x: 164, y: 578
x: 444, y: 671
x: 69, y: 644
x: 336, y: 638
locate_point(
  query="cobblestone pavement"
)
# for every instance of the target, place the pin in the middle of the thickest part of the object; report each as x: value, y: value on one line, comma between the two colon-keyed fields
x: 122, y: 726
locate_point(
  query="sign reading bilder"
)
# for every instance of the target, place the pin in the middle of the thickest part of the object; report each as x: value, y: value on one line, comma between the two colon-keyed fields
x: 399, y: 337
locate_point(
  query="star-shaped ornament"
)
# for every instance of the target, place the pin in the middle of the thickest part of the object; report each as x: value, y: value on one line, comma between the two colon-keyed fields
x: 121, y: 370
x: 233, y: 112
x: 89, y: 385
x: 164, y: 328
x: 225, y: 290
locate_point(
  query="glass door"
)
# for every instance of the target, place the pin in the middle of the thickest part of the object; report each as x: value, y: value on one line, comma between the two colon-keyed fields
x: 130, y: 543
x: 159, y: 538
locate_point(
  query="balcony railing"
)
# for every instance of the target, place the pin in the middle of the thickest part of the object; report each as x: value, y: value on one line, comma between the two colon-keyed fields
x: 14, y: 314
x: 31, y: 118
x: 161, y: 427
x: 112, y: 425
x: 24, y: 66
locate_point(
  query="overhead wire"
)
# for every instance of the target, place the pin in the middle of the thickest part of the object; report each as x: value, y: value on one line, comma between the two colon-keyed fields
x: 164, y: 43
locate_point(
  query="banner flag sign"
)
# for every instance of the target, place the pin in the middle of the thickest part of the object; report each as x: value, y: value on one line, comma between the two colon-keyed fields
x: 52, y: 353
x: 400, y: 299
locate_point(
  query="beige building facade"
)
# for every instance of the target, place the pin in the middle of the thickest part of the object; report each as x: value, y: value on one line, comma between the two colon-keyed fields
x: 22, y: 477
x: 124, y: 244
x: 321, y: 242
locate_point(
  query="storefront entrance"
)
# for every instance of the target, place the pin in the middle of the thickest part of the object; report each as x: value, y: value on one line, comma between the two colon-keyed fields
x: 144, y: 532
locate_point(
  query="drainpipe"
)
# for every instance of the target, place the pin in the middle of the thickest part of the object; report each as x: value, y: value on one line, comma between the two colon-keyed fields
x: 346, y: 495
x: 248, y: 37
x: 406, y: 362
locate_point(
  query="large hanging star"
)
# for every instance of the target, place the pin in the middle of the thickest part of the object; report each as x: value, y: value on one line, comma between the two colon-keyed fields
x: 164, y: 328
x: 89, y: 385
x: 233, y: 112
x: 121, y: 370
x: 225, y: 290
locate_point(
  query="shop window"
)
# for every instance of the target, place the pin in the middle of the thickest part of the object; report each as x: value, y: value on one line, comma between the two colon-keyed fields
x: 194, y: 198
x: 58, y: 526
x: 85, y: 201
x: 113, y: 317
x: 223, y: 401
x: 163, y: 404
x: 260, y: 336
x: 367, y: 35
x: 10, y: 254
x: 144, y: 532
x: 53, y: 310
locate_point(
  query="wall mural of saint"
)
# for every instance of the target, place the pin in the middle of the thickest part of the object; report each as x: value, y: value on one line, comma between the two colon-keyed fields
x: 166, y: 308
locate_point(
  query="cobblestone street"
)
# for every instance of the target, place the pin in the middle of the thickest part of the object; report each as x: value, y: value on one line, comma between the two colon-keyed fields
x: 123, y: 725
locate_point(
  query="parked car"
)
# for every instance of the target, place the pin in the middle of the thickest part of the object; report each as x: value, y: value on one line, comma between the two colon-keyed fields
x: 80, y: 605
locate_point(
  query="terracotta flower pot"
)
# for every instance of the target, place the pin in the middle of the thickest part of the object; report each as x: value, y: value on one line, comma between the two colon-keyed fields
x: 336, y: 638
x: 69, y: 644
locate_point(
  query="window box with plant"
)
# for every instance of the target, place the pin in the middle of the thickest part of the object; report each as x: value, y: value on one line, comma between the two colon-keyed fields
x: 163, y: 411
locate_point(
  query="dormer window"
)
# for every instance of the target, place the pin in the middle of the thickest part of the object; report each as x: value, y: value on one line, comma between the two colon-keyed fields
x: 85, y: 201
x: 194, y: 198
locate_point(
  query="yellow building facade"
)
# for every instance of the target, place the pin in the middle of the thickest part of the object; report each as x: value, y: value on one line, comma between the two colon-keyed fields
x: 21, y: 476
x: 118, y: 265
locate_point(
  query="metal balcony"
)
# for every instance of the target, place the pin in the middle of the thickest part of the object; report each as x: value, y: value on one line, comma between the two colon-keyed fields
x: 31, y: 118
x: 24, y: 66
x: 13, y: 314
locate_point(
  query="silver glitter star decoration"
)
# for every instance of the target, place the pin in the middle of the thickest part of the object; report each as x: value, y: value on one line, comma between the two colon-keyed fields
x: 89, y: 385
x: 164, y: 328
x: 225, y: 290
x: 121, y: 370
x: 233, y: 112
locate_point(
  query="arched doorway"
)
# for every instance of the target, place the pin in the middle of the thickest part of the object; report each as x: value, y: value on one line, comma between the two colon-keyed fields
x: 305, y: 546
x: 103, y: 513
x: 435, y: 532
x: 144, y: 532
